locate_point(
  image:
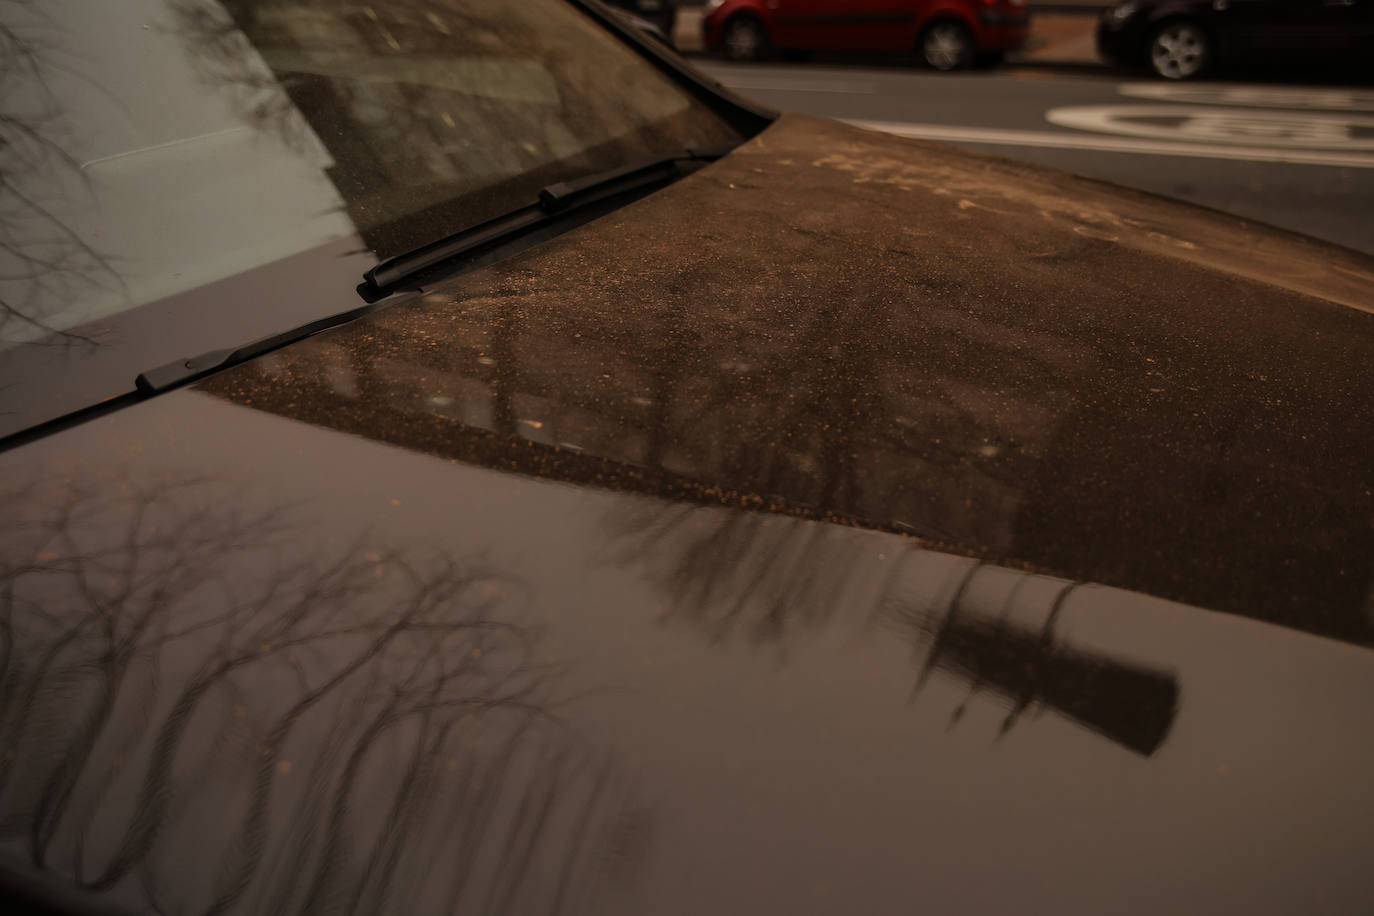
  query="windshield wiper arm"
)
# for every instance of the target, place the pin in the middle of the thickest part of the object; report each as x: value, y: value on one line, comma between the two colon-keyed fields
x: 556, y: 203
x: 585, y: 190
x: 153, y: 381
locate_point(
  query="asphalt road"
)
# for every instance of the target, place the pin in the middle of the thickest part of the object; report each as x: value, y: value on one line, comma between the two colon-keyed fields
x: 1297, y: 157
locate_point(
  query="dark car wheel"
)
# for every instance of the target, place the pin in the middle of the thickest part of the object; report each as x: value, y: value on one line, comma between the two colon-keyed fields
x: 986, y: 59
x: 744, y: 38
x: 1179, y: 50
x: 947, y: 46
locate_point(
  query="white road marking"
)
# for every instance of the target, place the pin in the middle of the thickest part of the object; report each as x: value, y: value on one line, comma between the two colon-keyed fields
x: 1274, y: 129
x: 1253, y: 96
x: 1060, y: 140
x: 783, y: 84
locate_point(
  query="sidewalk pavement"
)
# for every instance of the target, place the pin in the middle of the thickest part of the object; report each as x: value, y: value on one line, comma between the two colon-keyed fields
x: 1060, y: 38
x: 1056, y: 38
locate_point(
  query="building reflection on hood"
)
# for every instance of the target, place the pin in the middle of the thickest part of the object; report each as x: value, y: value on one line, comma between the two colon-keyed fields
x: 771, y: 581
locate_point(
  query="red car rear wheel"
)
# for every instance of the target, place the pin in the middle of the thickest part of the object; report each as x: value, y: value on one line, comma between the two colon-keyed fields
x: 947, y: 45
x: 745, y: 38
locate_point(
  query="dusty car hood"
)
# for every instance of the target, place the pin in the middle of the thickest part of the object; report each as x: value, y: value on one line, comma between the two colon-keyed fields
x: 559, y: 588
x: 1006, y: 362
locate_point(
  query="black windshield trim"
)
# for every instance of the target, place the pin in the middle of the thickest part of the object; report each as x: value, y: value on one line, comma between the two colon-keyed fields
x: 745, y: 116
x: 68, y: 420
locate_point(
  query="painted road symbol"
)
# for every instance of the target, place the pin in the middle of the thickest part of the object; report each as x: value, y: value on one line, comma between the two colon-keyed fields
x: 1199, y: 123
x: 1254, y: 96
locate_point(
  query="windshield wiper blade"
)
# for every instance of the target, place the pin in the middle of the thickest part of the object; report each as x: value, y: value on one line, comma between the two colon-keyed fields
x: 556, y: 203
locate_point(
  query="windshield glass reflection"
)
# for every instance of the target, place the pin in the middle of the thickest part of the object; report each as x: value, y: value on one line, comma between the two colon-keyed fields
x: 279, y: 126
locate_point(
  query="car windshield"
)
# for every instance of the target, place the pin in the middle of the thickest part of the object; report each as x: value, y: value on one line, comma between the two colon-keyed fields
x: 154, y: 147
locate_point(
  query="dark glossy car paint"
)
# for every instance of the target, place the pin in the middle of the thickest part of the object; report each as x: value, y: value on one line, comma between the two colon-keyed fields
x: 289, y: 664
x: 855, y: 525
x: 881, y: 26
x: 1241, y: 31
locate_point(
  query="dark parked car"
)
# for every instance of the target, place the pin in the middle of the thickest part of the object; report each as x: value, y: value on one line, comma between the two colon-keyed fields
x: 1181, y: 39
x: 456, y: 460
x: 945, y: 34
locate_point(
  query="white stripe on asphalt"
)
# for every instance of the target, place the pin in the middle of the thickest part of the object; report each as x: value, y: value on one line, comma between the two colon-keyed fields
x: 783, y: 84
x: 1314, y: 98
x: 1059, y: 140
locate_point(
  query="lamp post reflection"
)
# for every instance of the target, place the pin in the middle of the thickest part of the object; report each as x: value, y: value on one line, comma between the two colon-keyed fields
x: 1029, y: 669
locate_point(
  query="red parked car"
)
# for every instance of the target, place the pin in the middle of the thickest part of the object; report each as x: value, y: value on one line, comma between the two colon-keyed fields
x: 947, y: 34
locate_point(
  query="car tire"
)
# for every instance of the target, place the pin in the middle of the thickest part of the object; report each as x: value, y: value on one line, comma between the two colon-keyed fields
x: 744, y: 38
x: 947, y: 45
x: 1178, y: 50
x: 988, y: 59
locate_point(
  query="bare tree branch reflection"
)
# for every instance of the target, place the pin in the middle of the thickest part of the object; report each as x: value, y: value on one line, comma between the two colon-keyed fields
x: 223, y: 58
x: 764, y: 578
x: 42, y: 259
x: 364, y: 728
